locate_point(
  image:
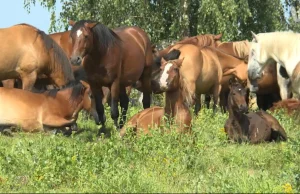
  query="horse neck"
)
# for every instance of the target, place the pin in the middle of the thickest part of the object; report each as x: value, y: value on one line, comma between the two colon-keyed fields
x: 174, y: 103
x: 226, y: 60
x: 234, y: 115
x: 69, y: 107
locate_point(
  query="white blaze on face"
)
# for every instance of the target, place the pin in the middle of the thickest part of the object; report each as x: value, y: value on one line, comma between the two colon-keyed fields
x: 79, y: 32
x: 165, y: 75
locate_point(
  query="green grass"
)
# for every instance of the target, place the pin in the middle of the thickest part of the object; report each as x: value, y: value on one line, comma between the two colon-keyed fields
x: 204, y: 162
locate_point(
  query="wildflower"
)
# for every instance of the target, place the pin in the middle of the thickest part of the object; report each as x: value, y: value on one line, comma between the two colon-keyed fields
x: 74, y: 158
x: 287, y: 188
x: 222, y: 130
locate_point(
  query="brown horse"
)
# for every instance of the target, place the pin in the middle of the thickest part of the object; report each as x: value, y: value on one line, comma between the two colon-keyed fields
x: 114, y: 59
x: 28, y: 52
x: 201, y: 71
x: 268, y: 89
x: 54, y: 108
x: 200, y: 41
x: 175, y: 109
x: 289, y: 105
x: 255, y: 127
x: 231, y: 66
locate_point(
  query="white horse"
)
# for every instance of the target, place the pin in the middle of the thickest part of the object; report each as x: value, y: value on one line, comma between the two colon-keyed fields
x: 282, y: 47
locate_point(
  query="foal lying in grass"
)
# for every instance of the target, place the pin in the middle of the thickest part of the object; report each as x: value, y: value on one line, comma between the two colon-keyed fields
x: 175, y: 110
x: 255, y: 127
x: 34, y: 111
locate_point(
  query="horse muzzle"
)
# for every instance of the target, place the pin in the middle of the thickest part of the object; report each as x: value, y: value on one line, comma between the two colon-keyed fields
x: 76, y: 60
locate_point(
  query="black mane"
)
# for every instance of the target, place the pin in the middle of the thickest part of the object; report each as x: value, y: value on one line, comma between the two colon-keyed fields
x: 174, y: 54
x: 104, y: 36
x: 61, y: 61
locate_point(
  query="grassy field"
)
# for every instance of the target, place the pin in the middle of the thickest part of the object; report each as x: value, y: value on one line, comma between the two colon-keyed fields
x: 205, y: 162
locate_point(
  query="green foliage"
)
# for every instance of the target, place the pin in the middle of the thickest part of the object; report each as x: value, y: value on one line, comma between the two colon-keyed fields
x: 203, y: 162
x: 174, y: 19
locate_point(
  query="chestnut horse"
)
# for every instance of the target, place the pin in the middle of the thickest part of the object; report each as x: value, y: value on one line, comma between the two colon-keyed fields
x: 268, y: 89
x: 115, y: 59
x: 255, y: 127
x: 34, y: 111
x: 175, y: 109
x: 201, y: 71
x: 28, y: 53
x: 289, y: 105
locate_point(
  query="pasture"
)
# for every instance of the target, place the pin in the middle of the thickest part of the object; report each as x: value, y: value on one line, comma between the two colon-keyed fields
x: 204, y: 162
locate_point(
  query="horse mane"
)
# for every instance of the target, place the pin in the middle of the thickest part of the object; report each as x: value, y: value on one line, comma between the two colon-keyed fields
x: 242, y: 48
x: 61, y: 61
x: 105, y: 37
x: 172, y: 55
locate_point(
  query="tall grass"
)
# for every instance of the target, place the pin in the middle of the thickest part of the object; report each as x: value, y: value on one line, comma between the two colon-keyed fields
x: 204, y: 162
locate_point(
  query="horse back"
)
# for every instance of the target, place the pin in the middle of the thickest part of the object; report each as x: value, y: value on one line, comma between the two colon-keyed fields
x: 143, y: 120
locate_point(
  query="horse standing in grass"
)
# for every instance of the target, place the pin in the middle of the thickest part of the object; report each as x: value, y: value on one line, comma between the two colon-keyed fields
x: 35, y: 111
x: 284, y: 51
x: 201, y: 71
x: 176, y: 111
x: 268, y: 90
x: 115, y: 59
x: 255, y: 127
x: 28, y: 53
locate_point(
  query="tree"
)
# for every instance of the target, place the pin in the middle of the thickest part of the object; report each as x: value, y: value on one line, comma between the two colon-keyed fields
x: 174, y: 19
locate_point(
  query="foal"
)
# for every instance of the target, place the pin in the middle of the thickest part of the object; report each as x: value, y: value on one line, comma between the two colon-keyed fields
x: 171, y: 83
x: 255, y: 127
x: 34, y: 111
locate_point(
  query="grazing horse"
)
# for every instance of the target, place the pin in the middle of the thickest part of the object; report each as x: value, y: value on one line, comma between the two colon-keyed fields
x: 268, y: 89
x: 289, y: 105
x: 255, y: 127
x: 201, y: 71
x: 28, y: 53
x: 115, y: 59
x: 170, y: 82
x: 284, y: 51
x: 34, y: 111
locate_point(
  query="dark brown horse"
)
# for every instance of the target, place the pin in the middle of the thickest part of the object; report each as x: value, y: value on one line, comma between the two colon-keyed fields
x: 254, y: 127
x: 175, y: 110
x: 115, y: 59
x: 28, y: 53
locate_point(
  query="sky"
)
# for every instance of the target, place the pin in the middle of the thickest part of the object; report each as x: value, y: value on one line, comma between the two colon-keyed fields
x: 12, y: 12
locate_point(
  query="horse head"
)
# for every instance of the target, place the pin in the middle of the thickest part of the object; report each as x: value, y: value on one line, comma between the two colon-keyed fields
x: 168, y: 79
x: 236, y: 98
x: 82, y: 40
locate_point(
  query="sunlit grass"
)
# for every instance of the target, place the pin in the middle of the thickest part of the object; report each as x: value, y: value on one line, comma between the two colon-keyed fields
x: 203, y: 162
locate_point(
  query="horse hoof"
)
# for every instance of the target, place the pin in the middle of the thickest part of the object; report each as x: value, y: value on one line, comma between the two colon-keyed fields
x: 7, y: 132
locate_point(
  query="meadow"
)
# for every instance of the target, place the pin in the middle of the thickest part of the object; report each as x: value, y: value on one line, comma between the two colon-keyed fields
x: 204, y: 162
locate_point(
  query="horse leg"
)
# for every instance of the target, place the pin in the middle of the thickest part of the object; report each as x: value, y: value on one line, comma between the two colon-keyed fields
x: 223, y: 101
x: 98, y: 95
x: 216, y: 93
x: 124, y: 100
x: 28, y: 80
x: 207, y: 100
x: 9, y: 83
x: 114, y: 111
x: 197, y: 104
x: 146, y: 84
x: 283, y: 83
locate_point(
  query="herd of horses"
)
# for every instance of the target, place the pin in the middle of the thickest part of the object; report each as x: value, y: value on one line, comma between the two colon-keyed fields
x: 48, y: 79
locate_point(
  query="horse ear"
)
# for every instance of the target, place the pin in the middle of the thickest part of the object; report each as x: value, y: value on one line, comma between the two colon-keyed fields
x: 232, y: 81
x: 85, y: 84
x: 179, y: 62
x: 71, y: 22
x: 163, y: 61
x: 255, y: 37
x: 90, y: 25
x: 218, y: 37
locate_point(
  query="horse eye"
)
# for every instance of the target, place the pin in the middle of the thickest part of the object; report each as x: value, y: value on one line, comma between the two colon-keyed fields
x: 86, y: 36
